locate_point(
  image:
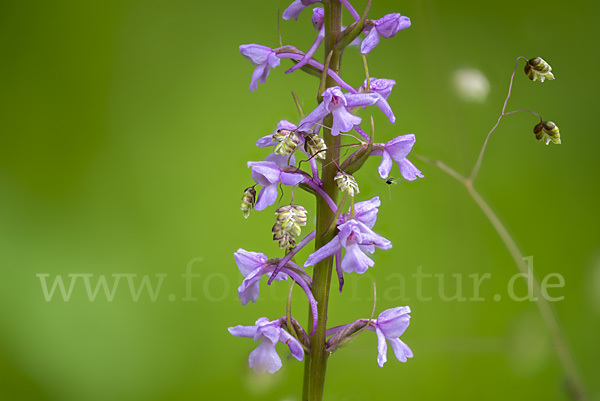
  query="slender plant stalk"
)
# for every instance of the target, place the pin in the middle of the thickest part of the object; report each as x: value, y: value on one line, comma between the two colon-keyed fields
x: 316, y: 364
x: 559, y: 341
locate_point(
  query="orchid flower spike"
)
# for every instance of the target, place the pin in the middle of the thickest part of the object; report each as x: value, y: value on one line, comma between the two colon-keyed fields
x: 387, y: 27
x: 265, y: 358
x: 264, y: 58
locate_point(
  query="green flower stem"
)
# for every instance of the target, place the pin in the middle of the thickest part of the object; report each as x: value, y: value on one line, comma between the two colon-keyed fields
x: 316, y: 363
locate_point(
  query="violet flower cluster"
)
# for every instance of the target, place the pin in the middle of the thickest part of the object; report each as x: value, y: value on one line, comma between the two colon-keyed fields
x: 297, y: 157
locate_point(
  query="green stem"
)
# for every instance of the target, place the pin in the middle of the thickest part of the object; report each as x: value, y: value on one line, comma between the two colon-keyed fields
x: 316, y: 363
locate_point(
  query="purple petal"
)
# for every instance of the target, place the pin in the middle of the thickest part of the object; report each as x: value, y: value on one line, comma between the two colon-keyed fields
x: 242, y: 331
x: 265, y: 173
x: 264, y: 358
x: 265, y: 73
x: 293, y: 10
x: 326, y: 250
x: 249, y: 261
x: 384, y: 106
x: 295, y: 346
x: 273, y: 61
x: 281, y: 160
x: 371, y: 238
x: 366, y: 211
x: 408, y: 170
x: 390, y: 24
x: 256, y: 75
x: 267, y: 329
x: 249, y: 290
x: 355, y: 259
x: 338, y: 268
x: 343, y: 121
x: 291, y: 179
x: 400, y: 147
x: 285, y: 124
x: 314, y: 117
x: 318, y: 17
x: 266, y: 197
x: 381, y: 348
x: 257, y: 54
x: 386, y: 165
x: 361, y: 99
x: 401, y: 350
x: 382, y: 86
x: 266, y: 141
x: 333, y: 97
x: 370, y: 42
x: 393, y: 322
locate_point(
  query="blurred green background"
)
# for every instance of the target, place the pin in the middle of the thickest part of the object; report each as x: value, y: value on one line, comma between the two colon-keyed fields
x: 125, y: 127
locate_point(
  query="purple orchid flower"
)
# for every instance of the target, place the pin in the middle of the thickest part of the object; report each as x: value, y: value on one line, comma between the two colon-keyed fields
x: 252, y: 265
x: 397, y: 149
x: 336, y: 102
x: 387, y: 27
x: 264, y: 58
x: 269, y: 175
x: 356, y: 238
x: 265, y: 358
x: 389, y: 325
x: 383, y: 88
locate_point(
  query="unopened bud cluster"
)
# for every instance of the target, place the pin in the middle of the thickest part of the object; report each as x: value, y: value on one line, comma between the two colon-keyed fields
x: 287, y: 227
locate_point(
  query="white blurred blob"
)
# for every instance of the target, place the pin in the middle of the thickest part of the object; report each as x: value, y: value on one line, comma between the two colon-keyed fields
x: 471, y: 85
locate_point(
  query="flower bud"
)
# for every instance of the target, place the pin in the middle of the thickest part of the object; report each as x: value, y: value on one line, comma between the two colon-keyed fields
x: 288, y: 141
x: 346, y: 183
x: 314, y: 145
x: 547, y: 131
x: 538, y: 69
x: 248, y: 201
